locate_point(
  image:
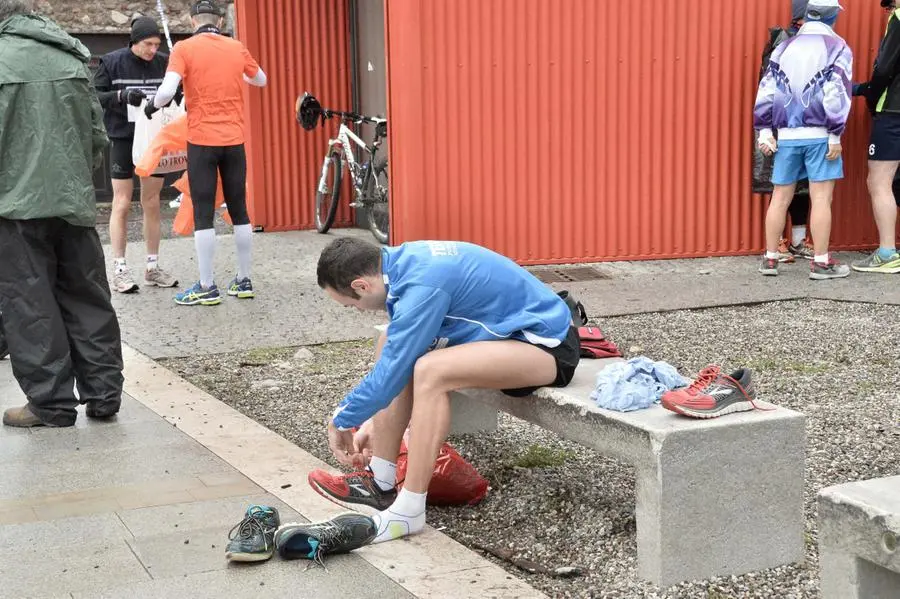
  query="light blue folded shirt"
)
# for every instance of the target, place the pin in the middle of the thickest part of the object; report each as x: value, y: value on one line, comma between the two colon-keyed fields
x: 636, y: 384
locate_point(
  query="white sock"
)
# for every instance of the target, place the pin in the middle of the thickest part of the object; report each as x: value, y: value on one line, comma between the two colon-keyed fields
x: 405, y: 517
x: 772, y: 255
x: 121, y: 266
x: 152, y: 261
x: 798, y: 234
x: 243, y: 239
x: 205, y: 242
x: 385, y: 473
x: 823, y: 259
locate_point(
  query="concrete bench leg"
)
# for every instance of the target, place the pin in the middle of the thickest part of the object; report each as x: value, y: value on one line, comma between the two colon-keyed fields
x: 859, y: 540
x: 721, y: 500
x: 470, y: 415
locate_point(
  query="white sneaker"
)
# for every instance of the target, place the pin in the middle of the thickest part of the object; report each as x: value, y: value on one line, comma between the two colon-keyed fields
x: 123, y: 283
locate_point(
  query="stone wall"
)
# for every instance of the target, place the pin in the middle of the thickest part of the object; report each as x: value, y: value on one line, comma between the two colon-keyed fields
x: 112, y: 16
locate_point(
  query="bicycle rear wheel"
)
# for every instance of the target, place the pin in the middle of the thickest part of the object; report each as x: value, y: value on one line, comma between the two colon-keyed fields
x: 377, y: 213
x: 328, y: 194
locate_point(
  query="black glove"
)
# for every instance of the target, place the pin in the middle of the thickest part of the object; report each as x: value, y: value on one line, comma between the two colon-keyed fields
x: 134, y: 97
x: 871, y: 100
x: 861, y: 89
x: 150, y: 110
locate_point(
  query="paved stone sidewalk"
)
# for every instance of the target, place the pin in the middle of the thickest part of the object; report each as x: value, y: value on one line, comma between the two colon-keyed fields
x: 136, y: 508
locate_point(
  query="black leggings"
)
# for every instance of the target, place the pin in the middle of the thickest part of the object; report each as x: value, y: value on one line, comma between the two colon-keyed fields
x: 799, y: 210
x: 204, y: 163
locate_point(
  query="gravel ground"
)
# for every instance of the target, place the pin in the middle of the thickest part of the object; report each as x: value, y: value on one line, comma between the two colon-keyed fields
x: 558, y: 504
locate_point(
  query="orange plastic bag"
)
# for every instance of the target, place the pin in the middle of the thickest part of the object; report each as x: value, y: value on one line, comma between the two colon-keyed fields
x: 454, y: 482
x: 184, y: 218
x: 173, y: 138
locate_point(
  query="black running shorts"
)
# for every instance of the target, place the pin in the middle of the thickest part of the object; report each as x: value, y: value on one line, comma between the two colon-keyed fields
x: 566, y: 355
x: 884, y: 143
x: 120, y: 164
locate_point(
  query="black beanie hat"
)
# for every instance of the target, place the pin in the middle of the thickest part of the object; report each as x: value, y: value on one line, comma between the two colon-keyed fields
x: 142, y: 28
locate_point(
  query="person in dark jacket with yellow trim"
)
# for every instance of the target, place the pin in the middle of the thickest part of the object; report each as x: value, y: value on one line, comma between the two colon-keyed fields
x: 882, y: 93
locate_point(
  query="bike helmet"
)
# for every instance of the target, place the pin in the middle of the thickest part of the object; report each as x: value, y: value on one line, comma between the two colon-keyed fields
x: 308, y: 111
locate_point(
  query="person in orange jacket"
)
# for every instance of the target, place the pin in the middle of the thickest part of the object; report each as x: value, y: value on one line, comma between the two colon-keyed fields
x: 213, y: 68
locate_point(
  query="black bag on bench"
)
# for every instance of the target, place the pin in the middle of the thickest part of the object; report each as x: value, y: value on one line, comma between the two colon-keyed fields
x: 579, y: 316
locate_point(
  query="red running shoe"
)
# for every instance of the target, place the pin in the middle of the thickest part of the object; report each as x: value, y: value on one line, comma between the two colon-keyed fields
x: 713, y: 394
x: 352, y: 490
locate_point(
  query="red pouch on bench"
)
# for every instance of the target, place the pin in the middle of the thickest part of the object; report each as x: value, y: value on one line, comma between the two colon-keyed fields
x: 595, y: 345
x: 454, y: 481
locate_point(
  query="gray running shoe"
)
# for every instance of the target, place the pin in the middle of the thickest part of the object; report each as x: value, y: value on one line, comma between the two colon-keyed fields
x: 769, y: 267
x: 315, y: 540
x: 157, y: 277
x: 875, y: 263
x: 831, y: 270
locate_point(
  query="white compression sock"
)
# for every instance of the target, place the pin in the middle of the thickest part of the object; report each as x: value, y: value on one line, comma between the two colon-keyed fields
x: 405, y: 517
x: 205, y: 242
x: 798, y: 234
x: 243, y: 239
x: 385, y: 473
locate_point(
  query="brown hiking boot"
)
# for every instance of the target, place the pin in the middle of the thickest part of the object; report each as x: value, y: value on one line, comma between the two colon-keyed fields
x: 21, y: 417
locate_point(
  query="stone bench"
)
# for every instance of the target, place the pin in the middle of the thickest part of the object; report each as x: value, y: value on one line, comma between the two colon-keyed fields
x: 713, y: 497
x: 859, y: 540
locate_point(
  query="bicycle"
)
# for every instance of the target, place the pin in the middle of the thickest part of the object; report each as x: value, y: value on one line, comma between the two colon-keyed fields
x: 369, y: 178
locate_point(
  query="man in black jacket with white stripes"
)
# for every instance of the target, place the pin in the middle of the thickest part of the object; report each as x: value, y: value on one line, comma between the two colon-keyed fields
x: 125, y: 78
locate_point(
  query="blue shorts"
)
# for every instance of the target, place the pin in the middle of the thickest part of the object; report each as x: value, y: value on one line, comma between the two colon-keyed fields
x: 805, y: 159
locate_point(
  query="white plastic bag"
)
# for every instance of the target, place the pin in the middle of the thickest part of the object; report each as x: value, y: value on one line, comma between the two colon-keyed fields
x: 146, y: 129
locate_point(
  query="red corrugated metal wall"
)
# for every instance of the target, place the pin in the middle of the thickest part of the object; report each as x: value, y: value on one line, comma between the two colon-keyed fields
x: 593, y: 129
x: 302, y: 45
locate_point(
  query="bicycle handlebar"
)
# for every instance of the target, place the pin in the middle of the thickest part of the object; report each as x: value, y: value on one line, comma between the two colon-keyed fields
x: 352, y: 116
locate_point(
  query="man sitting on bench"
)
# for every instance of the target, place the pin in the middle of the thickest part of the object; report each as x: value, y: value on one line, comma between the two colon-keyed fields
x: 461, y: 316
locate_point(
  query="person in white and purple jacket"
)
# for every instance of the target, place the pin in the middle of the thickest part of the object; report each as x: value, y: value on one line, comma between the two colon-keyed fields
x: 805, y: 96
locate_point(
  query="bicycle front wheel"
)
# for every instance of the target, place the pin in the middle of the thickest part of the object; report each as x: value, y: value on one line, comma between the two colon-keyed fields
x: 328, y: 193
x: 377, y: 213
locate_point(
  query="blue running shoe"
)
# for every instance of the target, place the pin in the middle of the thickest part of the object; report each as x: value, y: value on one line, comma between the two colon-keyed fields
x: 241, y: 289
x: 198, y: 295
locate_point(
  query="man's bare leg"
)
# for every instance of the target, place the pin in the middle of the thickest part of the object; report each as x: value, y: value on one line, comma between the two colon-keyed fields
x: 487, y: 365
x: 118, y: 218
x: 387, y: 432
x: 820, y: 195
x: 122, y: 280
x: 776, y: 215
x: 880, y: 182
x: 150, y: 189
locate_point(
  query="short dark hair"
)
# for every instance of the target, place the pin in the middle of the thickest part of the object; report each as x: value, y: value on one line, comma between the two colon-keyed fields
x: 345, y: 260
